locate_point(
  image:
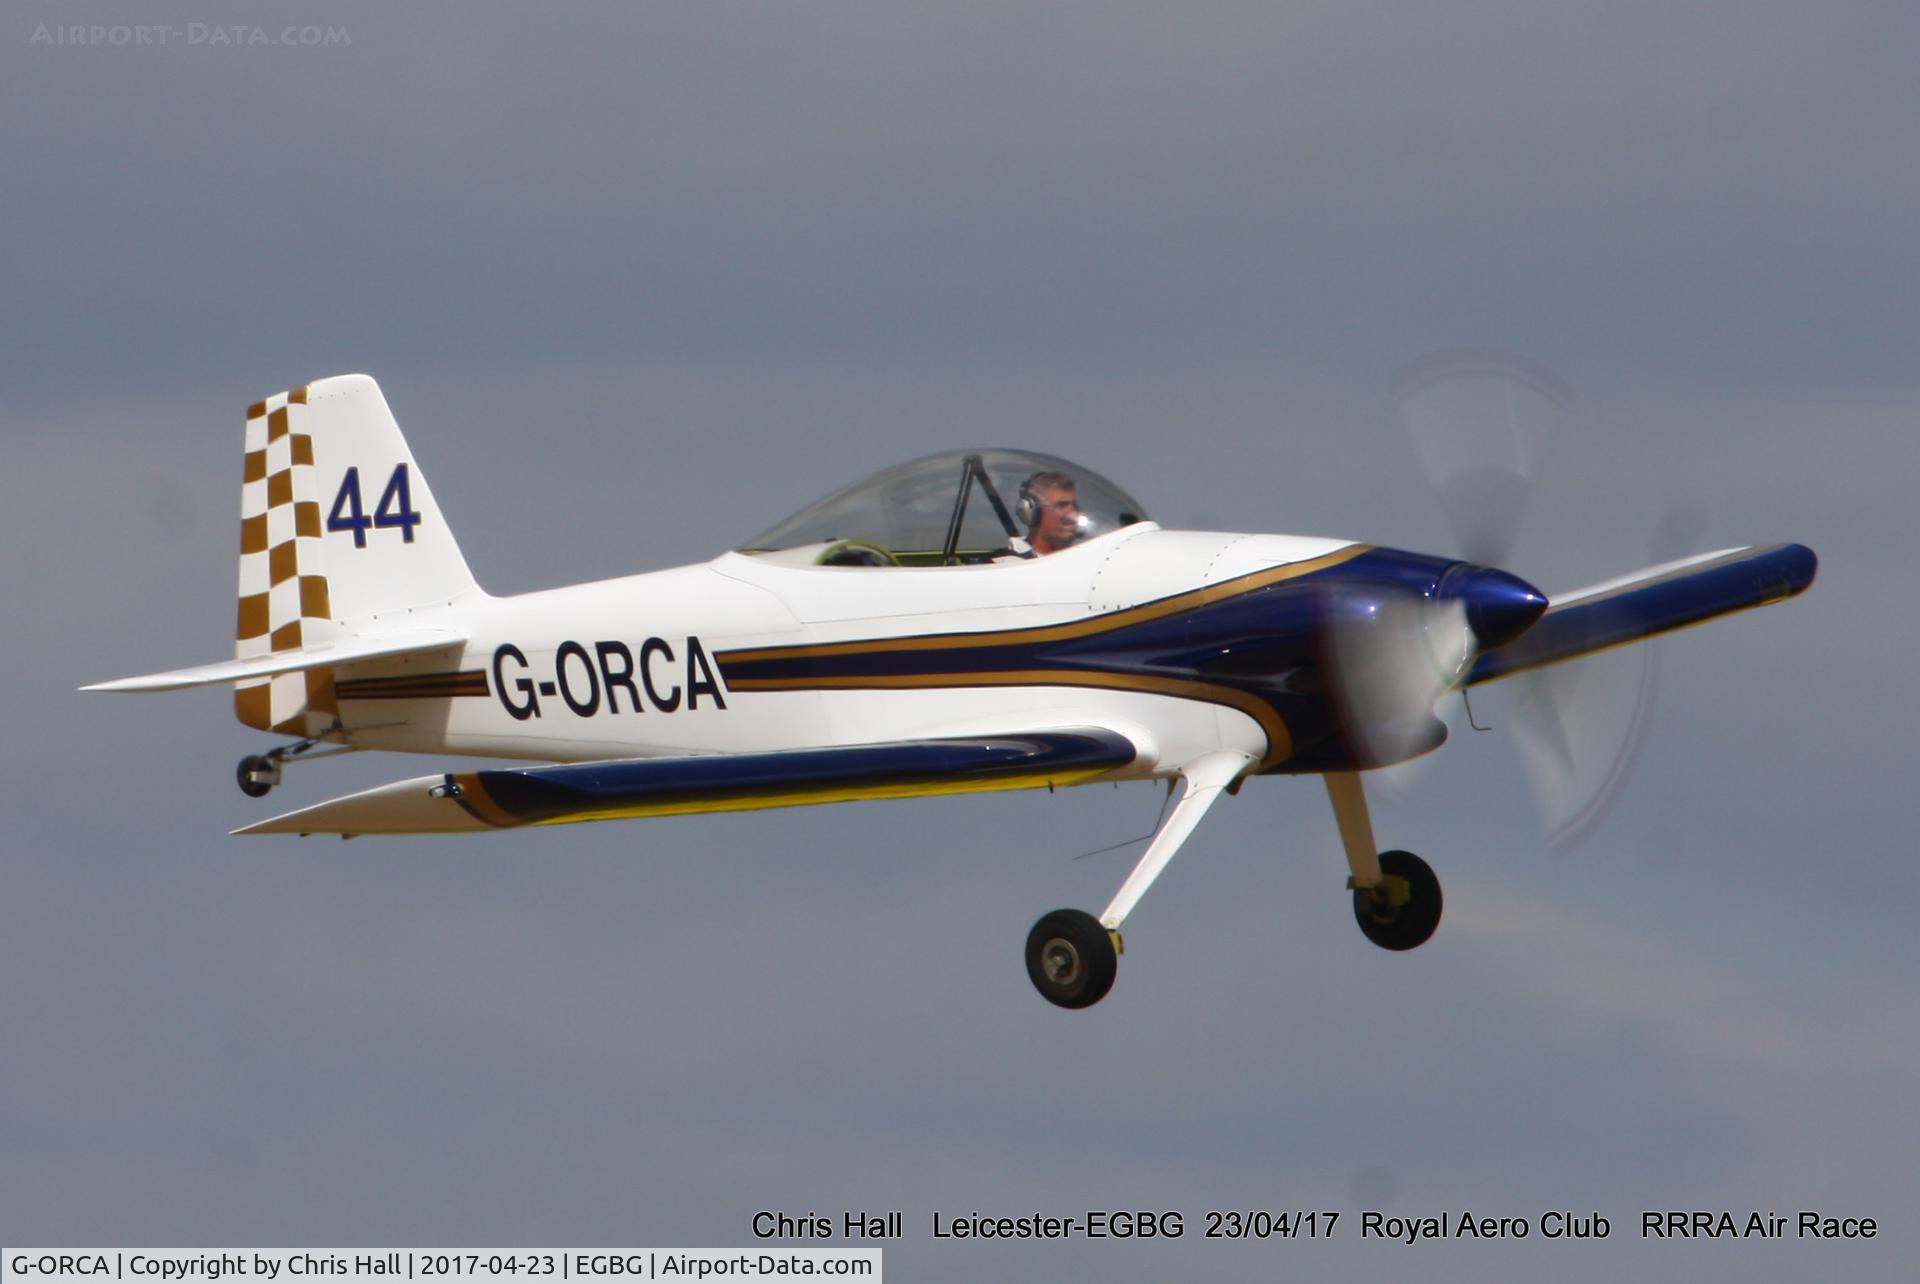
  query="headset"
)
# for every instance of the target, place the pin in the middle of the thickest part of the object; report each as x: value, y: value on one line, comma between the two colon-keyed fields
x: 1027, y: 508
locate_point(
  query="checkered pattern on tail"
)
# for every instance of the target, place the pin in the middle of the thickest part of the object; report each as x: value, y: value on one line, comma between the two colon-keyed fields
x: 283, y: 582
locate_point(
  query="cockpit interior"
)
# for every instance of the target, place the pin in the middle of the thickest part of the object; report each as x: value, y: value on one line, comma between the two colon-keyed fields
x: 963, y: 508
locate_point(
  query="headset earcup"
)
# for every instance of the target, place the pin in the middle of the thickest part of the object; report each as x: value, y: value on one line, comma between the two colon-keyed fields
x: 1027, y: 510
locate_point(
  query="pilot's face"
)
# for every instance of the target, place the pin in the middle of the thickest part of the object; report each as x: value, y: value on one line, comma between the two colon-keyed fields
x: 1059, y: 523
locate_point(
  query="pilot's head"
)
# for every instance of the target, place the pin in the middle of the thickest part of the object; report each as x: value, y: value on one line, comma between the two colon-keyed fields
x: 1050, y: 506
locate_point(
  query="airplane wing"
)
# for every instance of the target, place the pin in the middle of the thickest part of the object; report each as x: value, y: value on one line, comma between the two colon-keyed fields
x: 347, y: 651
x: 1656, y: 600
x: 467, y: 802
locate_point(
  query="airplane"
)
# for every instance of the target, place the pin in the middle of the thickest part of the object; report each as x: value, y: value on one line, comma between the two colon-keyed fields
x: 913, y: 634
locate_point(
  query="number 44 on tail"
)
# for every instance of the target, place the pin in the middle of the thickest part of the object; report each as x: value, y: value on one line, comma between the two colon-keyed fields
x: 395, y: 510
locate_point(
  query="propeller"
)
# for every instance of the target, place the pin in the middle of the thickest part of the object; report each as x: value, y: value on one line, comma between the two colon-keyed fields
x: 1581, y: 725
x: 1483, y: 422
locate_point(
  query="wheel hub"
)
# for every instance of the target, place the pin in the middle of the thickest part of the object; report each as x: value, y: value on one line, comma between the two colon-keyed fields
x: 1403, y: 908
x: 1070, y: 958
x: 1061, y: 960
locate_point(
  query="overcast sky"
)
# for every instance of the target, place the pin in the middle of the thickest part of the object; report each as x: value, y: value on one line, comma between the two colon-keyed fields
x: 639, y: 281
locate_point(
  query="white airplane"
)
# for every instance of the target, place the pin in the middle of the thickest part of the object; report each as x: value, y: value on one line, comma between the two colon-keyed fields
x: 983, y: 620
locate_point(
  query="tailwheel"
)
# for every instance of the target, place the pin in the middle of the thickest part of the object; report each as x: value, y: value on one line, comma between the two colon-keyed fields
x: 1403, y: 909
x: 257, y: 775
x: 1072, y: 958
x: 260, y: 772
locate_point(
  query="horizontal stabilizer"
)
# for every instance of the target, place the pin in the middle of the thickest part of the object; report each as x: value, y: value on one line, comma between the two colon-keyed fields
x: 1656, y: 600
x: 463, y: 802
x: 346, y: 651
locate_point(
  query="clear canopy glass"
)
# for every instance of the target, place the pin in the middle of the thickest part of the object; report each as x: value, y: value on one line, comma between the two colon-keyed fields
x: 951, y: 509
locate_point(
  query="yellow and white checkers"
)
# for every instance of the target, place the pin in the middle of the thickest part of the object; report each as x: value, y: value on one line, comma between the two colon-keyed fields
x: 284, y: 603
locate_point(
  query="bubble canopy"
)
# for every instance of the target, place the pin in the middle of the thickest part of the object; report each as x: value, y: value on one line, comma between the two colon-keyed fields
x: 949, y: 509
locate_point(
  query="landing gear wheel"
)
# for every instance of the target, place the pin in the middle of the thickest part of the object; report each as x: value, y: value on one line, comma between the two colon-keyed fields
x: 1071, y: 959
x: 1402, y: 912
x: 257, y: 775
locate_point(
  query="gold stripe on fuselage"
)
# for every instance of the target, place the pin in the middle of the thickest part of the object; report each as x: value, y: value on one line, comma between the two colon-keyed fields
x: 1193, y: 599
x: 1279, y: 739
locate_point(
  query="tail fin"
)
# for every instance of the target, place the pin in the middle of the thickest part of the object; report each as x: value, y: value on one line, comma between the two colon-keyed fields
x: 339, y: 535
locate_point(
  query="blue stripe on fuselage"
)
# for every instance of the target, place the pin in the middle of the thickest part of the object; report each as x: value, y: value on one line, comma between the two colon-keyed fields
x: 1265, y: 642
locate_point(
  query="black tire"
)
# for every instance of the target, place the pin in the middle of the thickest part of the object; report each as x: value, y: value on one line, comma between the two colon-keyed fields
x: 244, y: 774
x: 1405, y: 926
x: 1070, y: 959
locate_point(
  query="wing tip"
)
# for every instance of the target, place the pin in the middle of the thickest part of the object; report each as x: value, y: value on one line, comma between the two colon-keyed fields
x: 1804, y: 565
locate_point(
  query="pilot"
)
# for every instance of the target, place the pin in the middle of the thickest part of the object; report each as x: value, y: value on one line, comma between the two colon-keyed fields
x: 1050, y: 509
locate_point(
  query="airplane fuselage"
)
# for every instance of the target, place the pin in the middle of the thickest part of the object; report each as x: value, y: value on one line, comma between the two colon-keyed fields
x: 1210, y: 640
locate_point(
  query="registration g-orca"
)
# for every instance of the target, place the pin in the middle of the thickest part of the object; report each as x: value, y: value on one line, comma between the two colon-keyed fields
x: 581, y: 674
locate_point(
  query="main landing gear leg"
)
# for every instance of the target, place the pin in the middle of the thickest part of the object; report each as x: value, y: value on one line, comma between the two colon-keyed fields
x: 1072, y: 957
x: 1396, y: 898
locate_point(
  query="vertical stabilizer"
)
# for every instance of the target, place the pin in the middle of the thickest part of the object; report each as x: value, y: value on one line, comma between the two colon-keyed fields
x: 339, y: 536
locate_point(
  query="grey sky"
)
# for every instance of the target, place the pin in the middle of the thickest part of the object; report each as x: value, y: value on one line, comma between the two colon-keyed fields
x: 638, y: 284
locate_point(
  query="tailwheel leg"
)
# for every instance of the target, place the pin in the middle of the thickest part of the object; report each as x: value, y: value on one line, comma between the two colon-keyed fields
x: 258, y: 773
x: 1396, y: 896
